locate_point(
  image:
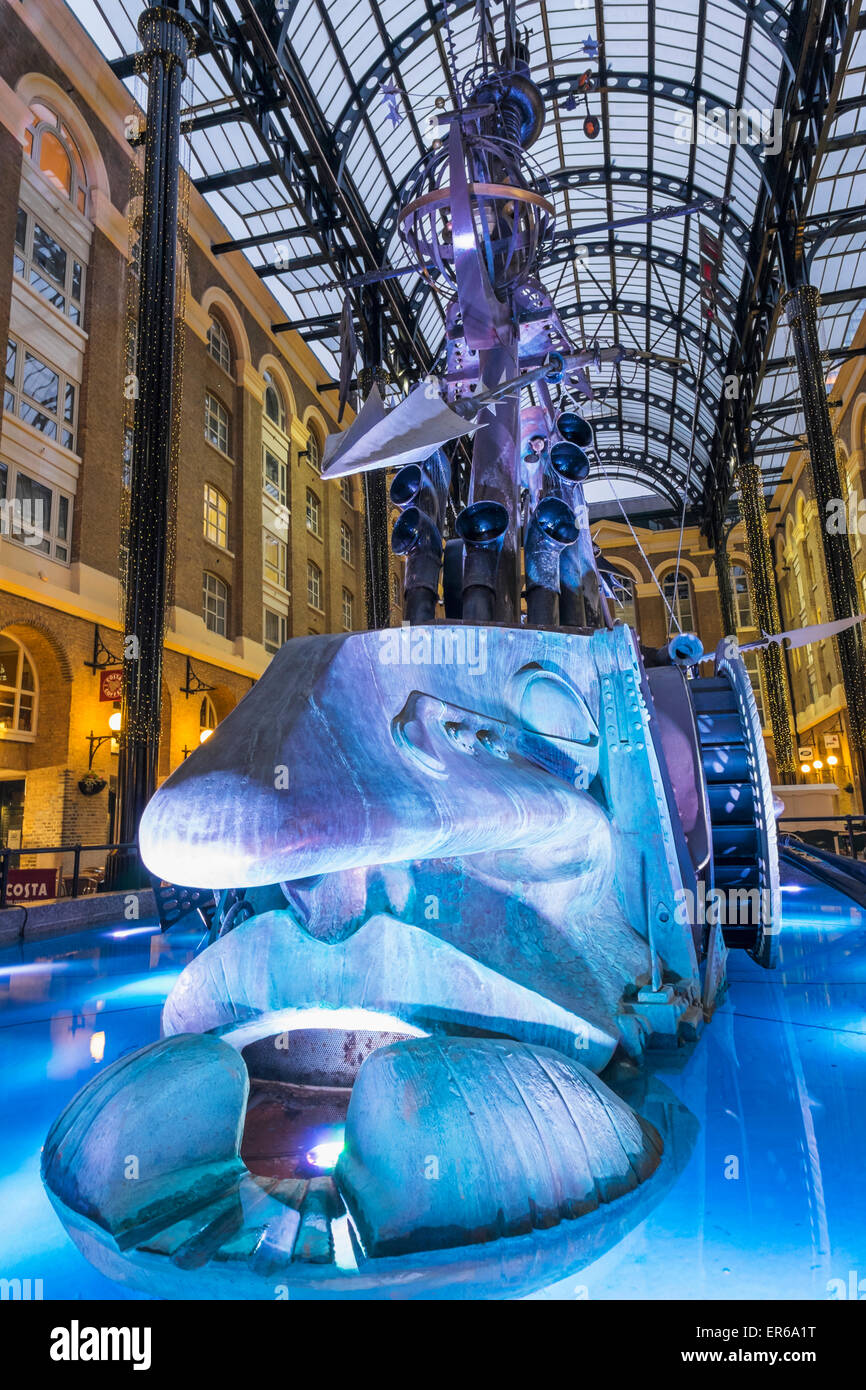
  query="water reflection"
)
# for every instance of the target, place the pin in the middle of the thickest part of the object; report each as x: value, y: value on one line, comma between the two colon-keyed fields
x: 765, y: 1205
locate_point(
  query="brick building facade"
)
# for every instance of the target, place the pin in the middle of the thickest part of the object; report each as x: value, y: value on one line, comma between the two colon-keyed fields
x: 265, y: 549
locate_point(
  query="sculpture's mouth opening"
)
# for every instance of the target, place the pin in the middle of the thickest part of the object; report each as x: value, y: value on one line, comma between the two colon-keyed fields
x: 301, y: 1082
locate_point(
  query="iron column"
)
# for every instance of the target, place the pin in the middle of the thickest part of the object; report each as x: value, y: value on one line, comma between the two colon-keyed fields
x: 166, y: 43
x: 801, y: 305
x: 754, y: 511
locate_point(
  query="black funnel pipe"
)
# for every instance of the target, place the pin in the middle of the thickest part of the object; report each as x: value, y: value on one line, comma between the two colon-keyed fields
x: 569, y: 460
x: 416, y: 536
x: 575, y: 429
x: 482, y: 527
x: 551, y: 529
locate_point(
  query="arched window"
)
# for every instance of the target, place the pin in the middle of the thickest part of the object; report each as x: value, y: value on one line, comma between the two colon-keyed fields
x: 53, y: 150
x: 274, y: 406
x: 346, y: 490
x: 207, y: 719
x: 753, y: 666
x: 314, y: 451
x: 742, y: 597
x: 216, y: 423
x: 219, y: 343
x: 624, y: 593
x: 216, y: 516
x: 314, y: 513
x: 17, y: 690
x: 395, y: 591
x: 678, y: 593
x: 314, y: 585
x: 215, y: 603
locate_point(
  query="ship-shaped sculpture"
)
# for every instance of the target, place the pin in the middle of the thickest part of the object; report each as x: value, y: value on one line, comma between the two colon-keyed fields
x: 454, y: 865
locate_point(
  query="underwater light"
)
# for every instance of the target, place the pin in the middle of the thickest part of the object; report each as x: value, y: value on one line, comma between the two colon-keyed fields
x: 324, y: 1155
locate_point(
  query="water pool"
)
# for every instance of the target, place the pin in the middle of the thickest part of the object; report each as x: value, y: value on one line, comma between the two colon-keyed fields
x: 768, y: 1204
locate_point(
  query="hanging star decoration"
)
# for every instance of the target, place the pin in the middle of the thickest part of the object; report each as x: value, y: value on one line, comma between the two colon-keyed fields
x: 391, y: 102
x: 589, y: 47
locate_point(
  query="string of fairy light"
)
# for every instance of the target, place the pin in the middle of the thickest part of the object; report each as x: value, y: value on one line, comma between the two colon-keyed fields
x: 751, y: 485
x: 148, y: 722
x: 801, y: 305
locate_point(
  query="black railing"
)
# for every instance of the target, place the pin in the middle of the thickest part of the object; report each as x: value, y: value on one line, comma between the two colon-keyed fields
x: 8, y: 858
x: 845, y: 839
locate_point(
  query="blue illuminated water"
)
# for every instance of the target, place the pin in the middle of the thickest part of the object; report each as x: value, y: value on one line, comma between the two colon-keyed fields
x: 769, y: 1205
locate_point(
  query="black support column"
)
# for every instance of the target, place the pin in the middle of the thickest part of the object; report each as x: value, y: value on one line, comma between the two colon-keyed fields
x: 726, y: 589
x: 377, y: 569
x: 166, y: 43
x: 801, y: 308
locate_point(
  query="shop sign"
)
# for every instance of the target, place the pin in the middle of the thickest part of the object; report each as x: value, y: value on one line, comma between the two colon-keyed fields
x: 806, y: 755
x: 30, y: 885
x: 111, y: 683
x: 831, y: 740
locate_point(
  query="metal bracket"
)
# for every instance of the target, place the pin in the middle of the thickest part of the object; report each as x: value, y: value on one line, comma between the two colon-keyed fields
x: 199, y: 687
x: 99, y: 651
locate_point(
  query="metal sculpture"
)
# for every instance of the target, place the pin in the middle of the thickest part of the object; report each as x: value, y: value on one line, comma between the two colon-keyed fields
x: 455, y: 865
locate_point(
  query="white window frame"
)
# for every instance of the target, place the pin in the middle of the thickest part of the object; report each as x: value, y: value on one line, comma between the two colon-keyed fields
x: 14, y: 395
x: 17, y: 523
x: 219, y: 343
x: 314, y: 513
x: 314, y: 586
x: 216, y: 516
x: 211, y: 599
x: 348, y: 609
x: 280, y: 569
x: 213, y: 420
x: 347, y: 544
x: 272, y: 385
x: 16, y: 687
x: 269, y: 488
x: 25, y: 267
x: 282, y: 624
x: 676, y: 600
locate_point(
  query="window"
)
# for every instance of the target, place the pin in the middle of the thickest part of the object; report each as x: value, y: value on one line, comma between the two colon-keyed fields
x: 681, y: 603
x: 346, y: 490
x: 274, y: 480
x: 219, y: 344
x: 48, y: 266
x: 752, y: 664
x: 34, y: 514
x: 274, y: 557
x: 40, y: 394
x: 314, y: 452
x: 395, y: 591
x: 215, y: 602
x: 348, y: 610
x: 314, y: 513
x: 207, y: 719
x: 17, y: 689
x: 274, y: 408
x: 53, y: 150
x: 742, y: 597
x: 346, y: 543
x: 275, y: 630
x: 216, y: 516
x: 216, y: 423
x: 314, y: 585
x: 626, y: 600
